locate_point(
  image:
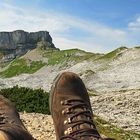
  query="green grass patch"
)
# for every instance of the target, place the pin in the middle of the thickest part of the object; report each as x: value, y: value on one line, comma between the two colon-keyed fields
x: 112, y: 131
x: 27, y: 99
x: 91, y: 93
x: 112, y: 54
x: 138, y: 47
x: 19, y: 66
x: 57, y: 57
x: 54, y: 56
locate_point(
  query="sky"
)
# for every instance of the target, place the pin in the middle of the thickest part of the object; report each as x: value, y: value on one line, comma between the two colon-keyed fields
x: 91, y: 25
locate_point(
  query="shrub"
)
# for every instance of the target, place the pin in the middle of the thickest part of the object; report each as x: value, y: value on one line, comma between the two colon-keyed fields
x: 27, y: 99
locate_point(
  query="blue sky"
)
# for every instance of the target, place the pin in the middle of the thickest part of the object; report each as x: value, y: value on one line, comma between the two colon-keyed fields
x: 91, y: 25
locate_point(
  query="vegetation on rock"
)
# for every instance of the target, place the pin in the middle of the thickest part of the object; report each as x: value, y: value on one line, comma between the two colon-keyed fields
x: 53, y: 56
x: 111, y: 131
x: 57, y: 57
x: 113, y: 53
x: 19, y: 66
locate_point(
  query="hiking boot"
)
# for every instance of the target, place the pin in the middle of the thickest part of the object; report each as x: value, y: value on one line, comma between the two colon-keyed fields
x: 11, y: 127
x: 71, y: 109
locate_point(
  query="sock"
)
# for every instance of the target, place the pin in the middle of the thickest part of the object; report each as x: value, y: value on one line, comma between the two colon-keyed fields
x: 3, y: 136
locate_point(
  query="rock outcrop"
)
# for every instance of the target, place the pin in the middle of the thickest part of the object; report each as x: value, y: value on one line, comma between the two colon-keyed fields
x: 17, y: 43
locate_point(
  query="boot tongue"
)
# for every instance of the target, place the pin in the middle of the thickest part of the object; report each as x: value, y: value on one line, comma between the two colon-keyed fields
x: 84, y: 125
x: 81, y: 117
x: 89, y: 138
x: 81, y: 126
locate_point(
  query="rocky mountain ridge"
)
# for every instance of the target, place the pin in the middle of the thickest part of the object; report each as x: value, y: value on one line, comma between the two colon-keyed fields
x: 19, y: 42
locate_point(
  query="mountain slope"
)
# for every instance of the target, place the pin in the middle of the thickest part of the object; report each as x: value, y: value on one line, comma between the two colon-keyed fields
x: 113, y: 80
x: 35, y: 59
x: 100, y: 74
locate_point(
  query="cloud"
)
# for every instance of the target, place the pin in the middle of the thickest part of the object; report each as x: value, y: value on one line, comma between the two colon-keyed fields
x: 135, y: 25
x: 65, y: 43
x: 100, y: 38
x: 18, y: 18
x: 92, y: 36
x: 95, y: 28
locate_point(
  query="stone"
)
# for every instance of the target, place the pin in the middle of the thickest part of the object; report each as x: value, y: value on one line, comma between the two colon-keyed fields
x: 43, y: 131
x: 119, y: 108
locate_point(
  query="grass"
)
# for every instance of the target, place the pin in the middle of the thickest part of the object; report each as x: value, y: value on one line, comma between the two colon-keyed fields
x: 55, y: 57
x: 112, y: 54
x: 91, y: 93
x: 76, y: 55
x: 19, y: 66
x: 23, y: 65
x: 138, y: 47
x: 112, y: 131
x: 106, y: 59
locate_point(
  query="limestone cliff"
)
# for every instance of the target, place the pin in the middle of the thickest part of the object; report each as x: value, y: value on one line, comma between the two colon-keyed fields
x: 17, y: 43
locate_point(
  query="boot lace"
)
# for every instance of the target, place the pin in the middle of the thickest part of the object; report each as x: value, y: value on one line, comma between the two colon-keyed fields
x: 79, y: 123
x: 2, y: 118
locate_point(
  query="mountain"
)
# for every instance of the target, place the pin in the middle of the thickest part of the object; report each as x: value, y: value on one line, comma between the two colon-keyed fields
x: 117, y: 70
x: 112, y: 80
x: 17, y: 43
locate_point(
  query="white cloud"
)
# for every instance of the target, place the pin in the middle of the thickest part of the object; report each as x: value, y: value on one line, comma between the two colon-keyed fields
x: 100, y: 38
x: 13, y: 18
x: 135, y: 25
x: 96, y: 28
x: 65, y: 43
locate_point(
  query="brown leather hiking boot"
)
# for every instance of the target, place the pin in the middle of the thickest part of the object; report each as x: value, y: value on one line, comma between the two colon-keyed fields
x: 71, y: 110
x: 11, y: 127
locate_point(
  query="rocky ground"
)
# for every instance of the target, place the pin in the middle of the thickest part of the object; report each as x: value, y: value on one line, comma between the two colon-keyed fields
x: 39, y: 125
x: 118, y: 108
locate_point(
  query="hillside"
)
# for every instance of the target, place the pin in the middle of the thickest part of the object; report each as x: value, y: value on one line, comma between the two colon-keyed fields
x: 37, y: 58
x: 112, y: 79
x: 115, y: 71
